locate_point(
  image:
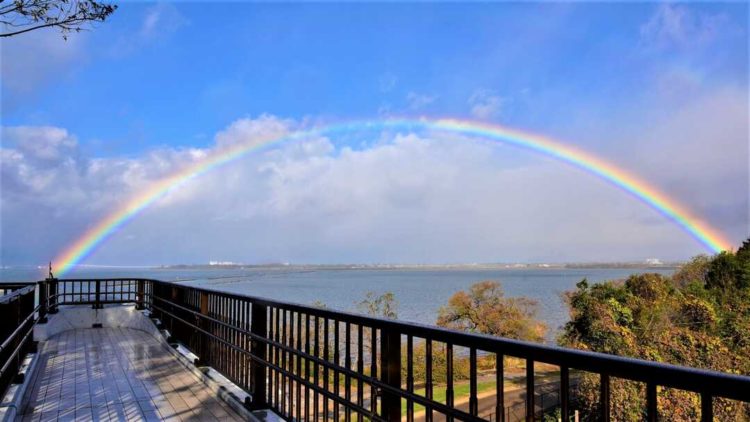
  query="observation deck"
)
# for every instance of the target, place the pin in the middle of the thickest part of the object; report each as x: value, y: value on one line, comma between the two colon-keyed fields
x: 142, y: 349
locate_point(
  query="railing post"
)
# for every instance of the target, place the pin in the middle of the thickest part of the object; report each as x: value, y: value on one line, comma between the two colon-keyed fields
x: 530, y: 406
x: 651, y: 402
x: 140, y: 295
x: 41, y: 287
x: 157, y: 293
x: 51, y: 295
x: 204, y: 351
x: 390, y: 367
x: 173, y: 311
x: 259, y: 327
x: 565, y: 393
x: 604, y: 397
x: 707, y: 408
x: 97, y: 304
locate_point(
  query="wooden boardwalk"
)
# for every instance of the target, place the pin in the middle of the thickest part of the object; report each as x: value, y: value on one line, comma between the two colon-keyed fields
x: 117, y: 374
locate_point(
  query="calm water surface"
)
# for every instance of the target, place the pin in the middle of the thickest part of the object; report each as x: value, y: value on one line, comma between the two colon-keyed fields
x: 420, y: 293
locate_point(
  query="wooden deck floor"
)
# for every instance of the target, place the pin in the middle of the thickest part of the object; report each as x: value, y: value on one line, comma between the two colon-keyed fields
x: 117, y: 374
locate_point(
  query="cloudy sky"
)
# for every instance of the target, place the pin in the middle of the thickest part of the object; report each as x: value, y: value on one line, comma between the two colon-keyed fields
x: 660, y: 90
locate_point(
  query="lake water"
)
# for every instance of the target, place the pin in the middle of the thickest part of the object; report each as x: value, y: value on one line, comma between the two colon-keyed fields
x: 420, y: 292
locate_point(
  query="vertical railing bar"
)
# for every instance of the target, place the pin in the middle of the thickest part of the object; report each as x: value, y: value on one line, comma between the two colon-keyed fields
x: 228, y: 337
x: 248, y: 339
x: 219, y: 332
x: 390, y: 371
x: 348, y: 365
x: 316, y: 368
x: 473, y: 404
x: 373, y: 368
x: 428, y: 377
x: 564, y: 393
x: 604, y: 397
x: 227, y: 333
x: 298, y: 404
x: 291, y: 365
x: 237, y: 342
x: 652, y: 413
x: 360, y: 369
x: 259, y: 327
x: 326, y: 357
x: 449, y: 378
x: 529, y: 390
x: 283, y: 363
x: 336, y: 374
x: 307, y: 366
x: 707, y: 407
x: 277, y: 362
x: 410, y: 376
x: 500, y: 387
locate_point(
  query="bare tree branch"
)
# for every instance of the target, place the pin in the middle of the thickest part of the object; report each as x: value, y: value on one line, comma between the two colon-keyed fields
x: 67, y: 15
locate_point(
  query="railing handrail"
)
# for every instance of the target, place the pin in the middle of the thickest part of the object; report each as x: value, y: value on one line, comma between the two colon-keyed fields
x: 716, y: 383
x: 16, y: 293
x: 16, y: 283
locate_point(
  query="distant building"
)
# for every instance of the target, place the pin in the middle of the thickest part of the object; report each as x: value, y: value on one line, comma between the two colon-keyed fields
x: 214, y: 263
x: 654, y: 261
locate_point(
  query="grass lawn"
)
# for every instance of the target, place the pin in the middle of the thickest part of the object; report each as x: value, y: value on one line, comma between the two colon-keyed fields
x: 459, y: 391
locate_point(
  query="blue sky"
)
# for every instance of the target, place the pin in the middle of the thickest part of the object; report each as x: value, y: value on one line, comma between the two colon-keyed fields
x: 614, y: 79
x: 203, y: 65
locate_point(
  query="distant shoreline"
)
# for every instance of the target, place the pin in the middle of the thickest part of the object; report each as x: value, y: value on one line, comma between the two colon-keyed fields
x: 383, y: 267
x: 442, y: 267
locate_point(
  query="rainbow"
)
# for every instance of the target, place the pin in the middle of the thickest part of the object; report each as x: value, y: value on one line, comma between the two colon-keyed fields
x: 709, y: 237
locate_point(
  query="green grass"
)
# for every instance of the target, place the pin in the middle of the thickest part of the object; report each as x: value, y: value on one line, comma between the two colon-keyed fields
x: 459, y: 391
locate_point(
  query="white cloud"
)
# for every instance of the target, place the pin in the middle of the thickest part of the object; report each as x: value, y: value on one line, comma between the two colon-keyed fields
x: 679, y: 26
x: 162, y: 19
x: 419, y: 101
x: 406, y: 198
x: 486, y: 104
x: 158, y: 23
x: 247, y: 130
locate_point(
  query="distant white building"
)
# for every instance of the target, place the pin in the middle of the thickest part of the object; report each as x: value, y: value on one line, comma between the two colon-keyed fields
x: 213, y: 263
x: 653, y: 261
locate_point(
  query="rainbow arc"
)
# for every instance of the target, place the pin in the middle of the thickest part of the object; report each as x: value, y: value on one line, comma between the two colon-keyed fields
x: 711, y: 239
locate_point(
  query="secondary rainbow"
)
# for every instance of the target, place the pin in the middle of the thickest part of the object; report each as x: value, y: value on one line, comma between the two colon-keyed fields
x: 708, y: 236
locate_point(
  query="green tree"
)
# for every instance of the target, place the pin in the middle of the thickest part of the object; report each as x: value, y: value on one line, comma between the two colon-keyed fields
x: 694, y: 271
x: 485, y: 309
x: 699, y: 317
x: 743, y: 252
x: 21, y: 16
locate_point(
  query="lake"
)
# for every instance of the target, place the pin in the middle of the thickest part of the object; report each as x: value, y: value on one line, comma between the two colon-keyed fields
x: 420, y: 292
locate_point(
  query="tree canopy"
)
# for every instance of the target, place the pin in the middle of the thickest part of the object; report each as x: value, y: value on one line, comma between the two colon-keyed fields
x: 485, y: 309
x: 699, y: 317
x: 21, y: 16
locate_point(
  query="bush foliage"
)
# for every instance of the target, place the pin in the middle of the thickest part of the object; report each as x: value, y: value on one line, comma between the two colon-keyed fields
x: 699, y: 317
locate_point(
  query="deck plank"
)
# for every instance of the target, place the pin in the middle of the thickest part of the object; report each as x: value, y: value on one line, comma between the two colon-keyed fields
x: 116, y: 374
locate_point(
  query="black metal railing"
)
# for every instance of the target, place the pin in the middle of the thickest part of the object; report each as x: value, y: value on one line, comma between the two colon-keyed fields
x: 8, y: 288
x: 17, y: 318
x: 308, y: 363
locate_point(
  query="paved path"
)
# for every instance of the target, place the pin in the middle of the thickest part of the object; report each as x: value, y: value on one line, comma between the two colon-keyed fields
x: 514, y: 398
x: 117, y: 374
